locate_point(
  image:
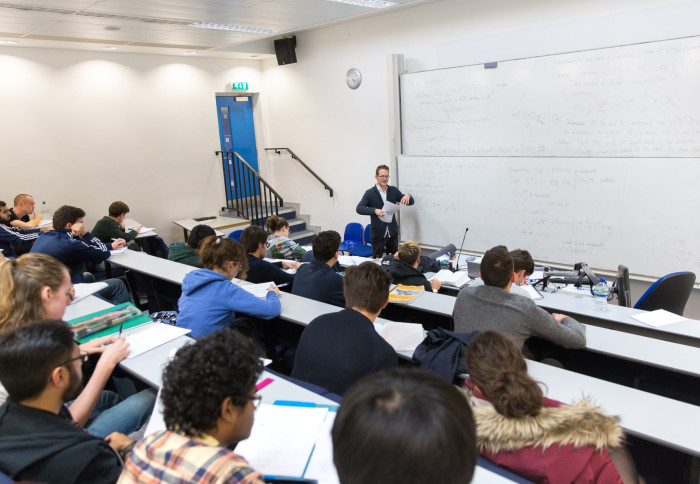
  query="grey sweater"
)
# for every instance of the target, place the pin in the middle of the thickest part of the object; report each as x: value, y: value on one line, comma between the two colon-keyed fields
x: 486, y: 308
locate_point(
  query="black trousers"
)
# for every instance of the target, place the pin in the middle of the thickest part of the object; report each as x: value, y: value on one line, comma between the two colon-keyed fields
x: 387, y: 245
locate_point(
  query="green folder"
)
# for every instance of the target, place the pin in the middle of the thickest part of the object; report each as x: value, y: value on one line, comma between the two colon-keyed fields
x: 135, y: 321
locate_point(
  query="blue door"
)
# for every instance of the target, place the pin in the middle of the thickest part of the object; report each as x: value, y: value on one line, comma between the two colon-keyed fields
x: 237, y: 133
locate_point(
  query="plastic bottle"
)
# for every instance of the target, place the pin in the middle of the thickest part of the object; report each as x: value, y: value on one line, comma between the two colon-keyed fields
x: 45, y: 214
x: 600, y: 293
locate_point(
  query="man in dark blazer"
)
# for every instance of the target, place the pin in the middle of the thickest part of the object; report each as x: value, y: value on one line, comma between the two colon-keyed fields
x: 384, y: 236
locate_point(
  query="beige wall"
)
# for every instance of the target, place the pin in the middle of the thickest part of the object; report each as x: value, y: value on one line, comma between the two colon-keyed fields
x: 86, y: 129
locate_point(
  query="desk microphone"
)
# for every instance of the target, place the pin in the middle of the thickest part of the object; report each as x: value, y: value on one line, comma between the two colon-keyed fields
x: 461, y: 246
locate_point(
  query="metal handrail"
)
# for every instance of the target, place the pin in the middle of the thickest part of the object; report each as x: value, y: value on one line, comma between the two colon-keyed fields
x: 245, y: 185
x: 295, y: 157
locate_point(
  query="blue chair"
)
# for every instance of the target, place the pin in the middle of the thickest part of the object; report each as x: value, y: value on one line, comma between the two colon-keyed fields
x: 671, y: 293
x: 364, y: 250
x: 236, y: 235
x: 353, y: 236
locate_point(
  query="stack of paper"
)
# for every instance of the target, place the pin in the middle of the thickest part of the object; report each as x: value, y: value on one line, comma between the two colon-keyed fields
x: 401, y: 336
x: 282, y: 439
x: 352, y: 260
x: 151, y: 336
x: 455, y: 279
x: 658, y: 318
x: 146, y: 229
x: 257, y: 290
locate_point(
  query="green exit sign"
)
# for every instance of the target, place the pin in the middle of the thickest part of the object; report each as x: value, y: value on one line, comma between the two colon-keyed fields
x: 239, y: 86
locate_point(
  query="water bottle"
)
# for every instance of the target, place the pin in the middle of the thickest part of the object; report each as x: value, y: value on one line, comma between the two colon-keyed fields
x: 45, y: 214
x: 600, y: 293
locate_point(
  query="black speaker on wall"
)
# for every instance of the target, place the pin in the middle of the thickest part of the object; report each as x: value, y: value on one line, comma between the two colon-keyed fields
x: 284, y: 49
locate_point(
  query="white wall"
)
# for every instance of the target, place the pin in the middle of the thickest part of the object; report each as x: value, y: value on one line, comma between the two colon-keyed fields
x: 86, y: 129
x: 344, y: 134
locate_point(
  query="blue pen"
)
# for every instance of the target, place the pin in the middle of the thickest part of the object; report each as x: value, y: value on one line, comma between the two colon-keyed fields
x: 282, y: 285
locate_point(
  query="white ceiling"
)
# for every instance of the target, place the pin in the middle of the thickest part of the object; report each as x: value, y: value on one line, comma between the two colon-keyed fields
x: 162, y: 26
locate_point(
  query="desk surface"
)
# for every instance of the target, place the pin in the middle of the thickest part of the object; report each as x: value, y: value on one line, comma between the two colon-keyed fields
x: 218, y: 223
x: 616, y: 341
x: 153, y: 266
x: 130, y: 223
x: 85, y: 306
x: 649, y: 416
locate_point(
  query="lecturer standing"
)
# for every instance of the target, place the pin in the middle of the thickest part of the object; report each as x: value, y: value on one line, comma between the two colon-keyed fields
x: 384, y: 236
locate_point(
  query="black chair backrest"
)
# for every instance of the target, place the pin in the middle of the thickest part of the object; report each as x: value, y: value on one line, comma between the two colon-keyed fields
x: 671, y: 293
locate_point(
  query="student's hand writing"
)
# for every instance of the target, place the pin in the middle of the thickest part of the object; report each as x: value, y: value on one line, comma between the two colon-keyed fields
x: 138, y: 228
x: 115, y: 352
x: 379, y: 212
x: 291, y: 265
x: 435, y: 284
x: 97, y: 345
x: 118, y: 244
x: 274, y: 289
x: 118, y: 441
x: 406, y: 199
x: 559, y: 317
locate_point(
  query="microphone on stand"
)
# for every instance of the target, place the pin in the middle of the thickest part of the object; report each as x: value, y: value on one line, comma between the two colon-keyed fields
x: 461, y: 246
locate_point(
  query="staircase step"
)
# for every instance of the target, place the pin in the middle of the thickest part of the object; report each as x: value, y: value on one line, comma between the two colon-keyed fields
x: 303, y: 237
x: 296, y: 225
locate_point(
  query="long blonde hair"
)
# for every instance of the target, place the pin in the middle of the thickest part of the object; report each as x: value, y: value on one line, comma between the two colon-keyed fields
x: 21, y: 281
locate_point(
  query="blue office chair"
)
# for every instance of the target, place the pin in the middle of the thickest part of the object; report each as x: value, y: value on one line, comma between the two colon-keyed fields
x: 353, y: 236
x: 671, y: 293
x: 364, y: 250
x: 236, y: 235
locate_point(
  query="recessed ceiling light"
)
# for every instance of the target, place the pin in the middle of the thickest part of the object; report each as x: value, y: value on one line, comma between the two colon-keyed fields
x: 253, y: 56
x: 8, y: 42
x: 367, y: 3
x: 109, y: 47
x: 189, y: 52
x: 112, y: 28
x: 232, y: 28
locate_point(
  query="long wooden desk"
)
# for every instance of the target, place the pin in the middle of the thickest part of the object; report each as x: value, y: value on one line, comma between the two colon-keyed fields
x: 217, y: 223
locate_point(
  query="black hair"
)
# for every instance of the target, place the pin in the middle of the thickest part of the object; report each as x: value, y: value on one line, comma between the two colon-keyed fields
x: 201, y: 375
x: 497, y: 267
x: 66, y: 214
x: 325, y: 244
x: 28, y: 355
x: 252, y: 237
x: 199, y: 233
x: 404, y: 425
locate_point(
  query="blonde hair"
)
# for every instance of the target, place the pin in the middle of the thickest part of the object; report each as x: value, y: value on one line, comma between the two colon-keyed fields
x: 409, y: 252
x: 21, y: 282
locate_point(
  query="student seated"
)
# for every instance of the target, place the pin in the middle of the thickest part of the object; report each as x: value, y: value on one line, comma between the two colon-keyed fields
x: 540, y: 439
x: 111, y: 227
x: 209, y: 399
x: 71, y: 244
x: 404, y: 268
x: 253, y: 241
x: 11, y: 236
x: 317, y: 280
x: 279, y: 245
x: 41, y: 367
x: 24, y: 206
x: 188, y: 252
x: 493, y: 307
x: 210, y: 300
x: 37, y: 286
x: 404, y: 425
x: 523, y: 267
x: 337, y: 349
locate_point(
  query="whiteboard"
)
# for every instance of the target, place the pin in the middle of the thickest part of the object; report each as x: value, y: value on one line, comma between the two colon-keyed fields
x: 590, y: 156
x: 632, y: 101
x: 643, y: 213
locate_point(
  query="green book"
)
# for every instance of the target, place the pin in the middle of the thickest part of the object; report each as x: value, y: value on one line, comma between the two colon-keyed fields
x: 107, y: 322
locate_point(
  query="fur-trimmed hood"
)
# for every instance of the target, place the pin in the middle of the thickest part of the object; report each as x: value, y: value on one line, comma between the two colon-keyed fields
x: 579, y: 424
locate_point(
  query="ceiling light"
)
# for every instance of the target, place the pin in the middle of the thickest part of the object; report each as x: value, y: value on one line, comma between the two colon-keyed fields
x: 112, y: 28
x: 8, y: 42
x: 232, y: 28
x: 189, y: 52
x: 109, y: 47
x: 367, y: 3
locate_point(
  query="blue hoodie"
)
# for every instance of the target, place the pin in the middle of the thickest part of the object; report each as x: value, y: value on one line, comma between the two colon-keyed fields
x: 209, y: 301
